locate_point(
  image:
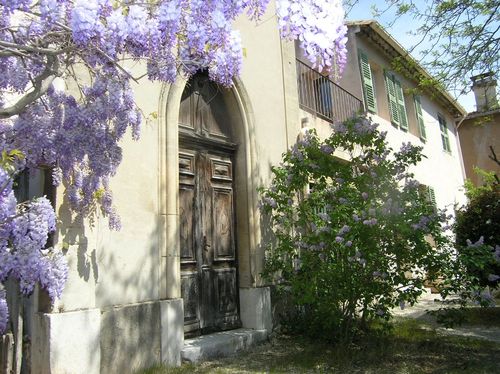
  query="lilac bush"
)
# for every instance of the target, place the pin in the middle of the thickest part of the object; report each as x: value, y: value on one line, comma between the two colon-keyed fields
x: 356, y: 239
x: 77, y: 132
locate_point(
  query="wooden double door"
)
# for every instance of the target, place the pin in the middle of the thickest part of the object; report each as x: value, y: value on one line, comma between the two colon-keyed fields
x: 209, y: 276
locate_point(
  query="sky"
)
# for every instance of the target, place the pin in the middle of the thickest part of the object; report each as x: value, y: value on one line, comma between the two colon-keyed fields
x: 401, y: 32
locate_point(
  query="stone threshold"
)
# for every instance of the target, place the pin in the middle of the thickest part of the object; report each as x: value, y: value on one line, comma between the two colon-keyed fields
x: 221, y: 344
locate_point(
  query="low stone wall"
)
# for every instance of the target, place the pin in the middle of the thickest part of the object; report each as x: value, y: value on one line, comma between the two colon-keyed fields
x: 120, y: 339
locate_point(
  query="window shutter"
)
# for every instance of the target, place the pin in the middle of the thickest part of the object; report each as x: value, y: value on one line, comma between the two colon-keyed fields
x: 420, y: 117
x: 427, y: 193
x: 444, y: 133
x: 393, y: 103
x: 403, y: 120
x: 431, y: 196
x: 368, y: 86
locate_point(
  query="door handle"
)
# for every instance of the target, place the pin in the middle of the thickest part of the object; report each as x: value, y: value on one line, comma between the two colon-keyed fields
x: 206, y: 246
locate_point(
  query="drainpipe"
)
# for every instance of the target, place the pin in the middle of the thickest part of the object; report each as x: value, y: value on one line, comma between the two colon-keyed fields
x: 462, y: 165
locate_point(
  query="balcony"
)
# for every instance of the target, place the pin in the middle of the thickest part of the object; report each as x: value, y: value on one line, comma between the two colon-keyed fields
x: 322, y: 97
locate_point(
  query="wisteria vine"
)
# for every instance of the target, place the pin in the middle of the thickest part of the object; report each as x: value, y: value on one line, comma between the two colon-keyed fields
x: 75, y: 127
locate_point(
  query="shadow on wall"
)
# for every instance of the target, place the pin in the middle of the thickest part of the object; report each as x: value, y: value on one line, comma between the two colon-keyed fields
x: 125, y: 286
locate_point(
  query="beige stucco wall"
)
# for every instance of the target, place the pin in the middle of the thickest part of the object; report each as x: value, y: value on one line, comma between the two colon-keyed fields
x: 440, y: 169
x: 476, y: 136
x: 114, y: 268
x: 119, y: 267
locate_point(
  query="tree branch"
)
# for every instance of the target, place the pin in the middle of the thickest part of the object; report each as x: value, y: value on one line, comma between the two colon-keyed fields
x: 40, y: 87
x: 493, y: 155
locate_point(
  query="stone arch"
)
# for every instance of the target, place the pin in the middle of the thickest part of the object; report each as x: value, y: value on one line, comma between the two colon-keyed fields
x: 248, y: 229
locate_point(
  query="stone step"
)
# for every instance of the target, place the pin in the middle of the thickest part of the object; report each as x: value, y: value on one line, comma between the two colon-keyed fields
x: 220, y: 344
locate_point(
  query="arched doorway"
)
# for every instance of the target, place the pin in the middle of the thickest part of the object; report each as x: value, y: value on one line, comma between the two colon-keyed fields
x: 208, y: 255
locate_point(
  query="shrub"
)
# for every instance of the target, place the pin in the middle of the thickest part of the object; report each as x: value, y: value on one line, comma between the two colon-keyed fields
x: 352, y: 238
x: 479, y: 219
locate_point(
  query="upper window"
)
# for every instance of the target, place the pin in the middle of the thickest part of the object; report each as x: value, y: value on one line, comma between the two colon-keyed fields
x: 444, y: 133
x: 420, y: 118
x: 368, y: 84
x: 396, y: 100
x: 428, y: 194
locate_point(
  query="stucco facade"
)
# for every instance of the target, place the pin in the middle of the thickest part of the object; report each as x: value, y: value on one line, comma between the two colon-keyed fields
x: 122, y: 308
x: 478, y: 132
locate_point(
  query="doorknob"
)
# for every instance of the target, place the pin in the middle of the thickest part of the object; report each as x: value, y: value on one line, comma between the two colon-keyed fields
x: 206, y: 246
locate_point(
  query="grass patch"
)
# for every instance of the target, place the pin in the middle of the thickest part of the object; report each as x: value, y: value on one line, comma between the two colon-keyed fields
x: 410, y: 347
x: 482, y: 317
x: 471, y: 316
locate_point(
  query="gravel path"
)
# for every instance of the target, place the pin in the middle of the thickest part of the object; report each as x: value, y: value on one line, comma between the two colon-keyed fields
x: 432, y: 302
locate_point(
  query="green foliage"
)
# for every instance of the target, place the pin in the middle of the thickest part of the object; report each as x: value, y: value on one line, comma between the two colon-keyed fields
x: 353, y: 238
x: 480, y: 220
x: 489, y: 181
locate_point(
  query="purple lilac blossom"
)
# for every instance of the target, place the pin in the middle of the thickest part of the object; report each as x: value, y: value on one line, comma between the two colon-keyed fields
x: 493, y: 277
x: 325, y: 148
x: 479, y: 242
x: 370, y: 222
x: 343, y: 230
x: 496, y: 253
x: 422, y: 224
x: 406, y: 149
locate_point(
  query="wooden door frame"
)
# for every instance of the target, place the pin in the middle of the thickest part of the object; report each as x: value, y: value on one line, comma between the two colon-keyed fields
x: 247, y: 214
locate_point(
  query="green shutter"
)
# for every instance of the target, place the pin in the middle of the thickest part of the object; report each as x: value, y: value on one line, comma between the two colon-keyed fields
x: 401, y: 105
x: 431, y: 196
x: 428, y: 194
x: 444, y: 133
x: 393, y: 102
x: 368, y: 86
x: 420, y: 117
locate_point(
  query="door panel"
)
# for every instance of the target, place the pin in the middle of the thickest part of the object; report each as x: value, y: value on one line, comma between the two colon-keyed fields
x: 223, y: 224
x: 208, y: 261
x: 191, y: 295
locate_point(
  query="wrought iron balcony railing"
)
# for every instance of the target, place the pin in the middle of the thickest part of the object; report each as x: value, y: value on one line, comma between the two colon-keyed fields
x: 322, y: 97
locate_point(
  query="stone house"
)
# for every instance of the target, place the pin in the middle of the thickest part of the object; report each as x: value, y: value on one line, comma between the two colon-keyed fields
x: 480, y: 130
x: 188, y: 259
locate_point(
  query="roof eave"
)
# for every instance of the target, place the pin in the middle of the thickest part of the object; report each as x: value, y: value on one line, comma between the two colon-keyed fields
x: 414, y: 69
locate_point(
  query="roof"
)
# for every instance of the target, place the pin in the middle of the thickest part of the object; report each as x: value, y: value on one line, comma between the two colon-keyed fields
x: 477, y: 114
x: 390, y: 47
